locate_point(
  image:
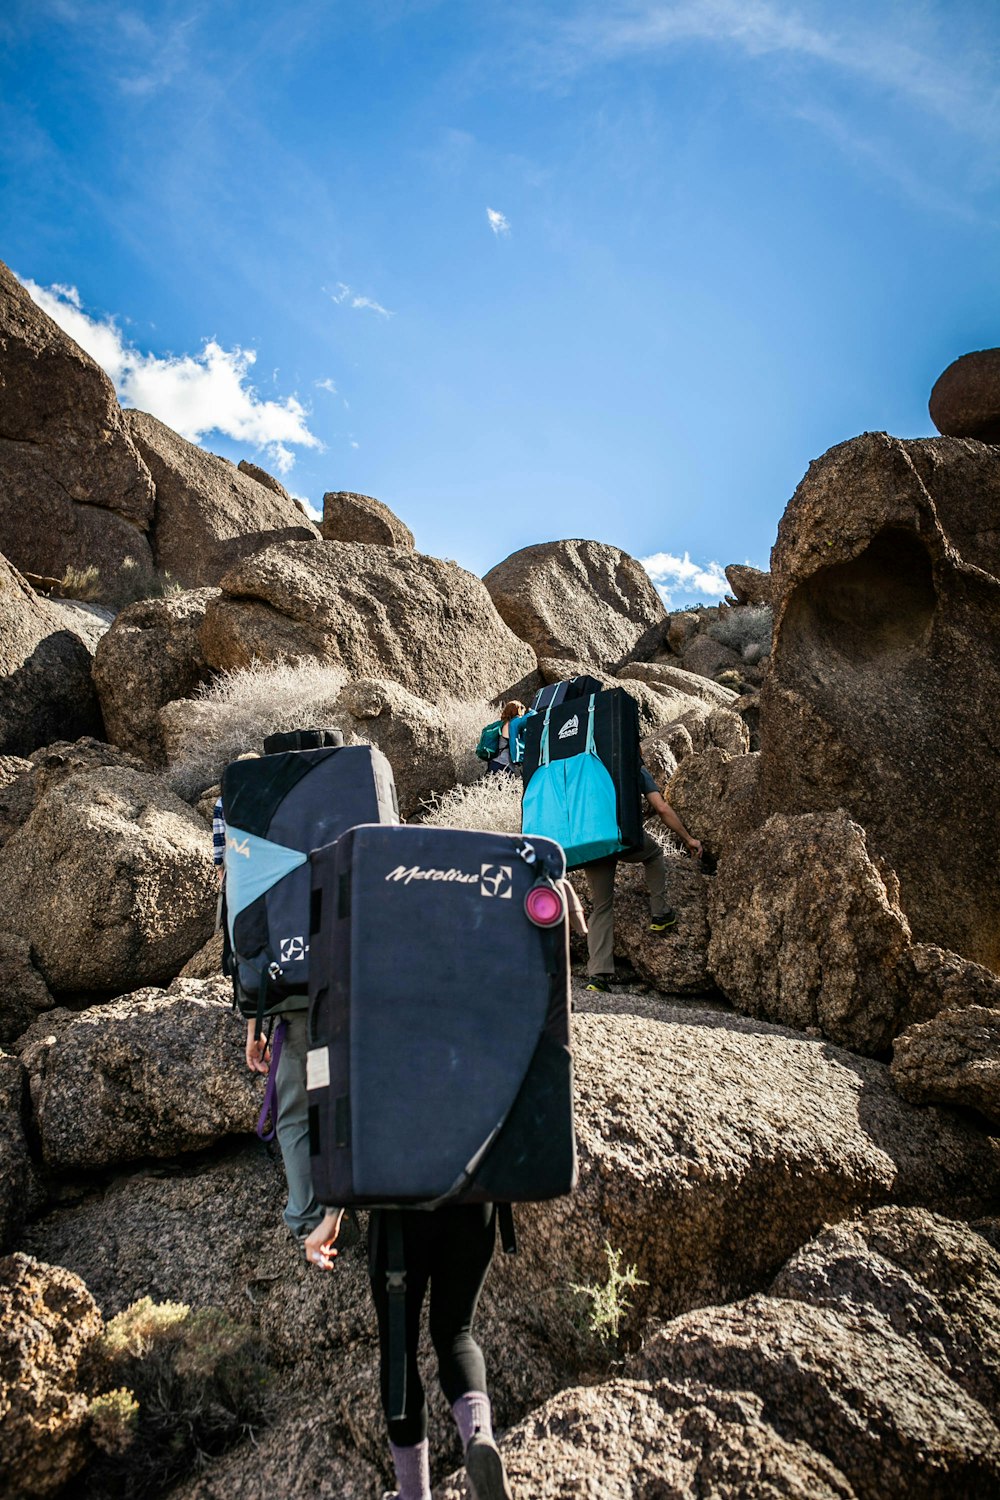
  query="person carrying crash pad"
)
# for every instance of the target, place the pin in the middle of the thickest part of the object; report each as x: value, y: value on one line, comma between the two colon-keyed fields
x: 600, y: 875
x: 495, y: 744
x: 302, y: 1211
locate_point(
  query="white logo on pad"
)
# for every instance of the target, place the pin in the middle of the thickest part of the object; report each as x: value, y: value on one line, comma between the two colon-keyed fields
x: 571, y: 727
x: 406, y: 873
x: 293, y: 948
x: 243, y: 848
x: 496, y: 880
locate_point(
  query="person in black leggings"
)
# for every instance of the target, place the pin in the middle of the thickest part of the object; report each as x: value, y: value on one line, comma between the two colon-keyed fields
x: 447, y: 1251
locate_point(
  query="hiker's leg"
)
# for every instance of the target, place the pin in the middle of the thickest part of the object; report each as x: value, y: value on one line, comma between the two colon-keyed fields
x: 654, y: 866
x: 408, y: 1430
x: 601, y: 926
x: 463, y: 1249
x: 302, y: 1212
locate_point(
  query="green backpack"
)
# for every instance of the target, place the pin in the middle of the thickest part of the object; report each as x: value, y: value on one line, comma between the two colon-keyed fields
x: 489, y: 741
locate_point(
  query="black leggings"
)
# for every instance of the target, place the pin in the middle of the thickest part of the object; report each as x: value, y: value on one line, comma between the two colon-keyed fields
x: 450, y: 1250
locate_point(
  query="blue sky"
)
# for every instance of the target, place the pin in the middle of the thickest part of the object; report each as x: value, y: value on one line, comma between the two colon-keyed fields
x: 523, y: 271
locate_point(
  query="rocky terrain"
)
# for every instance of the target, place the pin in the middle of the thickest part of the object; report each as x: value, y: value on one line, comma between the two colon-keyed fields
x: 786, y: 1113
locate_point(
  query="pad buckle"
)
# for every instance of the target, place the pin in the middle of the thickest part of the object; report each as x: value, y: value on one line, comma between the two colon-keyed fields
x: 395, y: 1281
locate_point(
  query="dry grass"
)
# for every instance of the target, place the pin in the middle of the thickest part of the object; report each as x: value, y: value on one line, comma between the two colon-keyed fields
x: 747, y: 629
x: 464, y: 720
x: 241, y: 707
x: 129, y: 584
x: 490, y: 805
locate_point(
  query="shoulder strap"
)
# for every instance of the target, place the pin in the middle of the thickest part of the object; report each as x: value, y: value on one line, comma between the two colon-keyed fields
x: 395, y: 1277
x: 543, y: 748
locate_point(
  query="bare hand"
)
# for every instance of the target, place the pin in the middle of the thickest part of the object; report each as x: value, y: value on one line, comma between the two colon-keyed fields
x: 258, y: 1053
x: 319, y: 1244
x: 694, y: 848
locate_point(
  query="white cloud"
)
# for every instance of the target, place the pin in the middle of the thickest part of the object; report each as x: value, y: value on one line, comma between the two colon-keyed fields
x: 327, y: 385
x: 497, y: 221
x: 679, y: 575
x: 195, y: 394
x: 344, y: 295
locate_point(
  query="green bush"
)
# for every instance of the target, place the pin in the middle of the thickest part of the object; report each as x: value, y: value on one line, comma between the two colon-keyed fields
x: 607, y: 1301
x: 174, y: 1388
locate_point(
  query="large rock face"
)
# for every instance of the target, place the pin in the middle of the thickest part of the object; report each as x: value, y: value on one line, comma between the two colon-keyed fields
x: 110, y: 880
x: 150, y: 656
x: 362, y: 518
x: 45, y: 687
x: 935, y: 1280
x: 377, y: 611
x: 74, y: 492
x: 47, y: 1321
x: 583, y: 601
x: 881, y: 698
x: 711, y: 1148
x: 965, y: 401
x: 208, y: 513
x: 870, y: 1370
x: 806, y: 931
x: 152, y: 1074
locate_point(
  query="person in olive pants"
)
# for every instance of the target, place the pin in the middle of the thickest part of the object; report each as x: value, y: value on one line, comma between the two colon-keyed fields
x: 601, y: 881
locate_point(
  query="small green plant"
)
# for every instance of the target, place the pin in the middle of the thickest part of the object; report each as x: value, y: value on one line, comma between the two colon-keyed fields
x: 112, y: 1418
x: 608, y: 1302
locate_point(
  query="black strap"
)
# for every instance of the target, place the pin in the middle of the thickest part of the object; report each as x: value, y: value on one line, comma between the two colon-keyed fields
x: 508, y: 1234
x: 395, y: 1279
x: 261, y: 1002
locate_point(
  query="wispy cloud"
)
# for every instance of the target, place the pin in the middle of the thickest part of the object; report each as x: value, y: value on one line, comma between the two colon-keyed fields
x: 344, y: 296
x: 904, y: 53
x: 497, y: 221
x: 327, y: 385
x: 679, y: 575
x: 194, y: 394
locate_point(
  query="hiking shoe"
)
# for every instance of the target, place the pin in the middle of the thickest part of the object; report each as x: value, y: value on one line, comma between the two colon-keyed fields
x: 660, y: 924
x: 484, y: 1468
x: 599, y: 982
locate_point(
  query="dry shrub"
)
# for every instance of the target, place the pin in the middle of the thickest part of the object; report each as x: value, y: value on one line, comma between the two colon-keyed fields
x: 747, y: 629
x: 490, y: 805
x: 246, y: 705
x: 464, y: 720
x: 175, y: 1388
x: 129, y: 583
